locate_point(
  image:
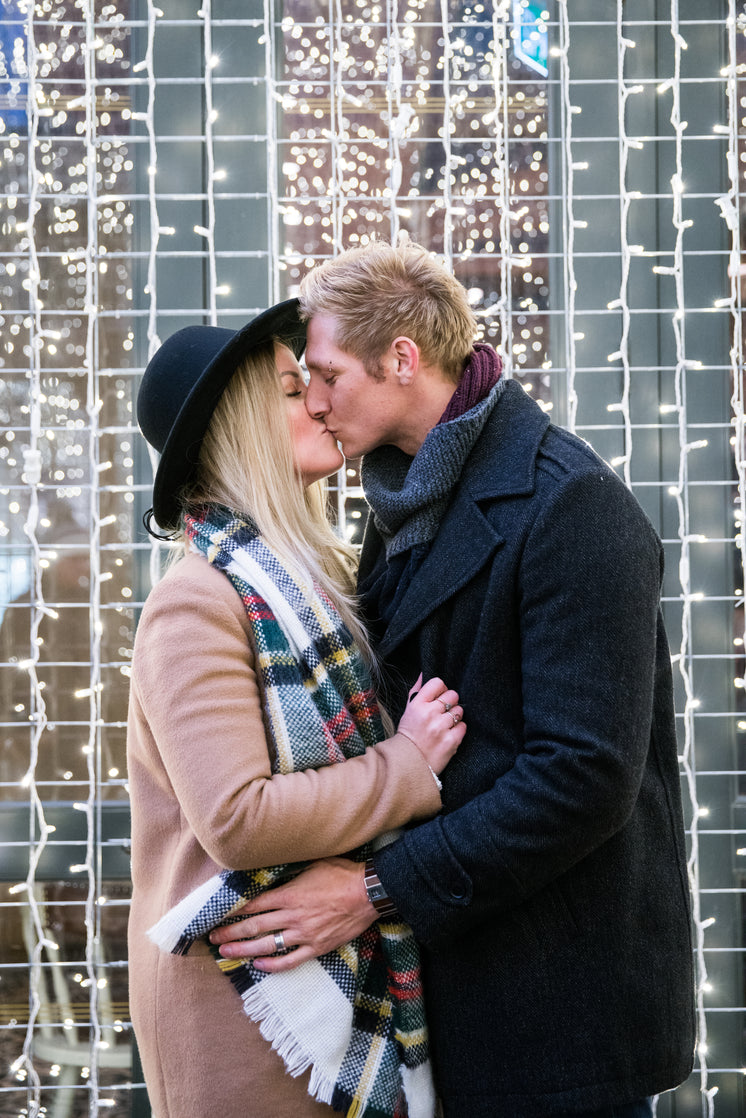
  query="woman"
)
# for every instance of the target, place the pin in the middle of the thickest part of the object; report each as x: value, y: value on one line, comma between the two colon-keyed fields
x: 246, y: 688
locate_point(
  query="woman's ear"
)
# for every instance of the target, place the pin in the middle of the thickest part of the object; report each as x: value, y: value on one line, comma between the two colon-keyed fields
x: 406, y: 359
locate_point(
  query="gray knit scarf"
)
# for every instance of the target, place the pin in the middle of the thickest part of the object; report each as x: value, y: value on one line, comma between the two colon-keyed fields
x: 408, y: 495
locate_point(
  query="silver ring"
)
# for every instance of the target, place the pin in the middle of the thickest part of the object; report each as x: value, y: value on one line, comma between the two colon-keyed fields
x: 446, y: 706
x: 279, y: 941
x: 456, y: 719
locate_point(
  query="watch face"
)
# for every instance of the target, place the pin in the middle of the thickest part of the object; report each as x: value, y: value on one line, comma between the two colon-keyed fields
x: 377, y: 893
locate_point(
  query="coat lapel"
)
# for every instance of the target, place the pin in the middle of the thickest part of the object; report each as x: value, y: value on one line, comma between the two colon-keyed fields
x: 502, y: 464
x: 465, y: 542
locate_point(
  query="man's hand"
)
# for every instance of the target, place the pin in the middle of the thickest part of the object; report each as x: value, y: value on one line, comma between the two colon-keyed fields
x: 320, y: 909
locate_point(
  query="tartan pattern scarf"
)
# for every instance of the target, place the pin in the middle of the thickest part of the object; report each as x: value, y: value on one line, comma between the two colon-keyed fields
x: 354, y: 1016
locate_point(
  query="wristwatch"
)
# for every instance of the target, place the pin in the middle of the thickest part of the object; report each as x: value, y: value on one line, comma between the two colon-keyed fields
x: 377, y: 895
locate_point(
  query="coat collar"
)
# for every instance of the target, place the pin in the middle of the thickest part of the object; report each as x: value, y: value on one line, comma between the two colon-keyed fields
x: 502, y: 464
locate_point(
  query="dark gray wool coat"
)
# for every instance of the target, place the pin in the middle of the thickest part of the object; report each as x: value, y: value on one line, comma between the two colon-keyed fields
x: 550, y: 896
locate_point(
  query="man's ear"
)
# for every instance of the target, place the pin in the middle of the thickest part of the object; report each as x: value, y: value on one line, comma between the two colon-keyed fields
x: 405, y: 356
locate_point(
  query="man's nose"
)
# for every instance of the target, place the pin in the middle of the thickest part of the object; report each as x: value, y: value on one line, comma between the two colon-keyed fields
x: 316, y: 403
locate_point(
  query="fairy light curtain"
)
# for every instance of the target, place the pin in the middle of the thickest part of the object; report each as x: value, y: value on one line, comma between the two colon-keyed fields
x: 580, y: 167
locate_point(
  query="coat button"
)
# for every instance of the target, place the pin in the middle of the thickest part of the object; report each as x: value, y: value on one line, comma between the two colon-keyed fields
x: 456, y: 896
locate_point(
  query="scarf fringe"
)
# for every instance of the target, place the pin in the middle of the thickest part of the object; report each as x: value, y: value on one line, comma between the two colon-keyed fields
x: 168, y: 933
x: 279, y: 1034
x: 417, y: 1083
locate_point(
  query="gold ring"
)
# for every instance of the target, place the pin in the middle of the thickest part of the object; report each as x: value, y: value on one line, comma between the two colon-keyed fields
x: 446, y: 706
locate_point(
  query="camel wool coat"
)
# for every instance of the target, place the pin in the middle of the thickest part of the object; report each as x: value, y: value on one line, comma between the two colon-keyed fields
x: 204, y: 799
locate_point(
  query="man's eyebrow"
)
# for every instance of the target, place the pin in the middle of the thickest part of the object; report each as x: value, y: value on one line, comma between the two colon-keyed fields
x: 321, y: 366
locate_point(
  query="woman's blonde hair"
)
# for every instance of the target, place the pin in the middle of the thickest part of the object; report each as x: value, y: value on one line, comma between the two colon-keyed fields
x: 246, y: 464
x: 382, y: 291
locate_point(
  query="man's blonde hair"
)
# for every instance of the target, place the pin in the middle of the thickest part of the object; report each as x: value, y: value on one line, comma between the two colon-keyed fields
x: 381, y: 292
x: 246, y: 463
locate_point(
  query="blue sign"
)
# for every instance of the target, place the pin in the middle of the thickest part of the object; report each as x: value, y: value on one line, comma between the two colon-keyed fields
x: 530, y: 35
x: 13, y: 77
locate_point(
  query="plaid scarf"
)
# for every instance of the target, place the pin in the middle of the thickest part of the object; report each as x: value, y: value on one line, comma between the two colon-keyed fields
x: 354, y: 1016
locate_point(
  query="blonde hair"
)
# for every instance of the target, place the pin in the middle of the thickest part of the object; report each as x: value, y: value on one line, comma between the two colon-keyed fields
x: 381, y: 291
x: 246, y: 464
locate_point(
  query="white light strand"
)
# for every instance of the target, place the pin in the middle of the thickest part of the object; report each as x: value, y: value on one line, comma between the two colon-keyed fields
x: 684, y: 658
x: 339, y: 57
x: 208, y: 232
x: 155, y: 226
x: 151, y: 290
x: 568, y: 217
x: 730, y: 207
x: 336, y: 133
x: 447, y: 152
x: 272, y: 100
x: 623, y: 93
x: 398, y: 118
x: 93, y: 412
x: 501, y: 40
x: 32, y: 477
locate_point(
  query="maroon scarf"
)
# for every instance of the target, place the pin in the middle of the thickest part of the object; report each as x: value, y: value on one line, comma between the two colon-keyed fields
x: 482, y: 372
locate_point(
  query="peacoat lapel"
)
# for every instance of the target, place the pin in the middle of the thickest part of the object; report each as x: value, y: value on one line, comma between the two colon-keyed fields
x: 502, y: 464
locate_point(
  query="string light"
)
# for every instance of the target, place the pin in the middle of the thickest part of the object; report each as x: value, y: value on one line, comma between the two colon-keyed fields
x: 24, y: 1065
x: 682, y: 501
x: 211, y: 116
x: 569, y: 221
x: 501, y: 171
x: 624, y: 91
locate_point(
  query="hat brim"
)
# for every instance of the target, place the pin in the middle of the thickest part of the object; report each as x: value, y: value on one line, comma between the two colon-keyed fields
x: 180, y: 452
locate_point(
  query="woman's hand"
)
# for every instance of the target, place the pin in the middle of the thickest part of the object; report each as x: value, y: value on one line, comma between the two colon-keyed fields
x: 434, y: 722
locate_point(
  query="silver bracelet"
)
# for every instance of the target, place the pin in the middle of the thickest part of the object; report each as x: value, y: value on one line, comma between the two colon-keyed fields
x: 436, y: 778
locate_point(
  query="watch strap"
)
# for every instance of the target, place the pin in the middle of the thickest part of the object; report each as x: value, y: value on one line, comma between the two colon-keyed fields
x: 377, y: 895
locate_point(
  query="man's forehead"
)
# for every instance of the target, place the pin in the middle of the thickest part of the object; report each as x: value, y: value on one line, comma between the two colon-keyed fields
x: 321, y: 346
x: 322, y: 328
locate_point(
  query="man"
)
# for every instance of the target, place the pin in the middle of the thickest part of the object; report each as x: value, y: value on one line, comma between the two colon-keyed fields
x: 550, y: 895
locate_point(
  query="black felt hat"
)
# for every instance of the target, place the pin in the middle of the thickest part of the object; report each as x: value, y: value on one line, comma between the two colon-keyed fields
x: 182, y: 385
